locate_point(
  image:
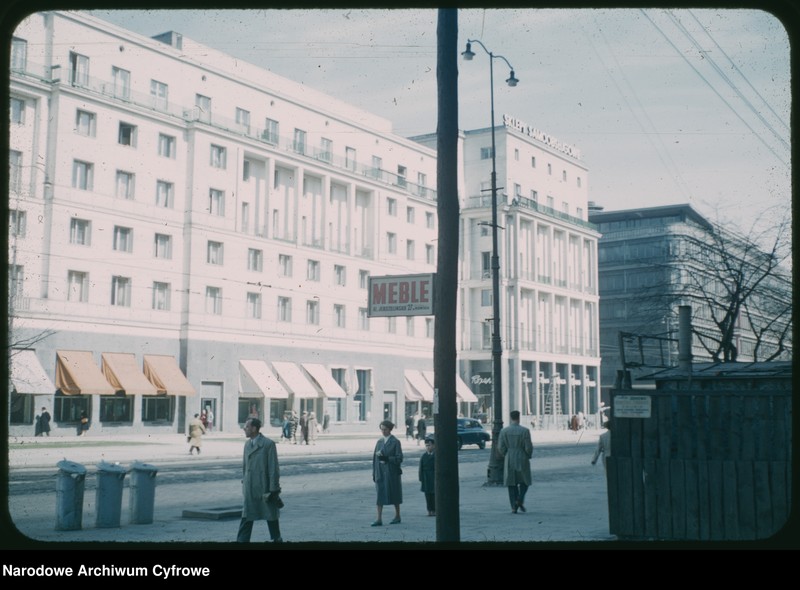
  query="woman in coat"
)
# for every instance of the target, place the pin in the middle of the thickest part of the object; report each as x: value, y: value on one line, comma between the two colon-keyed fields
x: 196, y: 432
x: 386, y: 472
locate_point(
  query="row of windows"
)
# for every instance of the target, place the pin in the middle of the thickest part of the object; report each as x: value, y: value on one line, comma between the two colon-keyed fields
x: 411, y: 213
x: 533, y: 165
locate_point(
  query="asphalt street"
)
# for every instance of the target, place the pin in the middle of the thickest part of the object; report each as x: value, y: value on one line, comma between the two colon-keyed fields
x: 327, y: 490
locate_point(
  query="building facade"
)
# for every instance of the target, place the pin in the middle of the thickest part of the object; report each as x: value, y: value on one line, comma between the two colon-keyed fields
x: 653, y: 260
x: 181, y: 215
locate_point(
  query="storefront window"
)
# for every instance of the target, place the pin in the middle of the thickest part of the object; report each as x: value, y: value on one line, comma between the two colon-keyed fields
x: 250, y: 408
x: 158, y: 409
x: 21, y: 410
x: 68, y: 408
x: 277, y: 408
x: 117, y: 408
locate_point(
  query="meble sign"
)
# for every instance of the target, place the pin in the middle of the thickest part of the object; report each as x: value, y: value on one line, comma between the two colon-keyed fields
x: 533, y: 132
x: 401, y: 295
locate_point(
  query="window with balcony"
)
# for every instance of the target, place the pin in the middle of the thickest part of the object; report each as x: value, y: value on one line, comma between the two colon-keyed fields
x: 377, y: 167
x: 17, y: 222
x: 271, y: 129
x: 219, y: 156
x: 16, y: 111
x: 214, y: 253
x: 284, y: 309
x: 165, y: 194
x: 159, y: 95
x: 535, y: 196
x: 214, y: 300
x: 80, y: 231
x: 350, y: 158
x: 122, y: 83
x: 78, y: 69
x: 312, y: 272
x: 326, y: 150
x: 312, y: 312
x: 121, y: 291
x: 284, y: 265
x: 254, y: 305
x: 77, y: 286
x: 127, y: 134
x: 162, y: 246
x: 203, y: 106
x: 82, y: 175
x: 15, y: 170
x: 243, y: 119
x: 401, y: 176
x: 216, y: 202
x: 299, y: 143
x: 339, y: 316
x: 339, y: 273
x: 123, y: 239
x: 124, y: 185
x: 19, y: 54
x: 85, y: 123
x: 166, y: 146
x: 161, y: 296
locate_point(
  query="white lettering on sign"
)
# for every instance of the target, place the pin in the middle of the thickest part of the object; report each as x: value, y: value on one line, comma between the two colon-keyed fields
x: 632, y: 406
x: 538, y: 135
x: 404, y: 295
x: 478, y: 380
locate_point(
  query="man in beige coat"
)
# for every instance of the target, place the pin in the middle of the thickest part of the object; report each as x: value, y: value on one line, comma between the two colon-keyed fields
x: 516, y: 447
x: 260, y: 483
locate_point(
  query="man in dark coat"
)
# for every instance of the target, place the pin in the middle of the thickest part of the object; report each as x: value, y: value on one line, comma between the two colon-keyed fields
x: 43, y: 423
x: 427, y: 475
x: 260, y: 483
x: 516, y: 447
x: 386, y: 472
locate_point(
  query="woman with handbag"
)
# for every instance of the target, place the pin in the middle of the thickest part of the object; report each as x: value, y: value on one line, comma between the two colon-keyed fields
x: 196, y: 432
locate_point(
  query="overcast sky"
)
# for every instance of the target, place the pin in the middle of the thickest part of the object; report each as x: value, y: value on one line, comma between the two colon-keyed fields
x: 666, y: 107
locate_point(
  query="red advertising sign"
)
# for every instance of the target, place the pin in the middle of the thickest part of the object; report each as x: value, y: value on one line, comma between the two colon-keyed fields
x: 402, y: 295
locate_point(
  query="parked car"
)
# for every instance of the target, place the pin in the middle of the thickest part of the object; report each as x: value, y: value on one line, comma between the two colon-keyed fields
x: 471, y: 432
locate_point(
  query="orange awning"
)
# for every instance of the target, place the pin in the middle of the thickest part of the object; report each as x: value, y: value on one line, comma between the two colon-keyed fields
x: 122, y: 372
x: 163, y: 372
x: 77, y: 374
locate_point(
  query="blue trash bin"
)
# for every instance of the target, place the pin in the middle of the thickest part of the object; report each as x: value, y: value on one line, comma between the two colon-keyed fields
x: 109, y: 494
x: 69, y: 495
x: 142, y: 492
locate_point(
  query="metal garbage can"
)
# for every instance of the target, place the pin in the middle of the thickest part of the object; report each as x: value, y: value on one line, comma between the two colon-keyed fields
x: 109, y: 494
x: 69, y: 495
x: 142, y: 492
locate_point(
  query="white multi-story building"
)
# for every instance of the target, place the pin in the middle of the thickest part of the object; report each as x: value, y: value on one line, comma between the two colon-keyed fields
x: 189, y: 231
x: 548, y: 273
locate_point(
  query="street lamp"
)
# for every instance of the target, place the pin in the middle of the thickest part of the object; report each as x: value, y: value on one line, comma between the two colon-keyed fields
x: 495, y: 473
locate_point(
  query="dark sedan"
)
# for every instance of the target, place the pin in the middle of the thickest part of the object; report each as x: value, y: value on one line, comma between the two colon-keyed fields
x: 471, y: 432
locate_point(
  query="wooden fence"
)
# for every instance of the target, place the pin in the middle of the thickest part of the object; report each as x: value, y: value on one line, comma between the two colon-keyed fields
x: 706, y: 465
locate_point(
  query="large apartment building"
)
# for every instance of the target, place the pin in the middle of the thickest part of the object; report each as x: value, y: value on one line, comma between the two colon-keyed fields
x: 189, y: 231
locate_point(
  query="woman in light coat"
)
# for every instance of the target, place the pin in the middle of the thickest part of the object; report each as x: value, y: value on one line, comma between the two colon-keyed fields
x: 196, y: 432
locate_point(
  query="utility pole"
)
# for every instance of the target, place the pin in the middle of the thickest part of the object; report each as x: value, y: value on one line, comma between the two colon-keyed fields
x: 448, y: 528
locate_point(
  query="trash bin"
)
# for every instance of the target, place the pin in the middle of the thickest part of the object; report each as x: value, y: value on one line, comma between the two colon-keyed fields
x: 69, y: 495
x: 142, y: 492
x: 109, y: 494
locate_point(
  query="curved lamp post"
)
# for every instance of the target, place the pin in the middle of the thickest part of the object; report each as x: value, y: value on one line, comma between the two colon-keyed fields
x: 495, y: 472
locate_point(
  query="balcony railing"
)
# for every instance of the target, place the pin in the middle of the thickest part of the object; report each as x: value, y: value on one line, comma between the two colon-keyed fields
x: 482, y: 201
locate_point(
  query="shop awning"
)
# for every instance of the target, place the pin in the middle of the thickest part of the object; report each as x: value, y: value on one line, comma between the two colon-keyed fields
x: 77, y: 374
x: 163, y: 372
x: 27, y: 373
x: 122, y: 372
x: 324, y: 380
x: 255, y: 378
x: 463, y: 392
x: 418, y: 387
x: 293, y: 379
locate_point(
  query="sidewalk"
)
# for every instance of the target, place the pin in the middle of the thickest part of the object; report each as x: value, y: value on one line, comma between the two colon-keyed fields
x: 566, y: 503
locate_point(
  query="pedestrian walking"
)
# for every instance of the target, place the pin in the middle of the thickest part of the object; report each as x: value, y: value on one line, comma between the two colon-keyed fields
x: 409, y: 427
x: 427, y: 475
x: 604, y: 446
x: 313, y: 425
x: 260, y: 484
x: 516, y: 447
x: 326, y: 422
x: 286, y: 428
x: 422, y: 428
x: 293, y: 421
x: 196, y: 432
x: 304, y: 428
x: 42, y: 426
x: 386, y: 472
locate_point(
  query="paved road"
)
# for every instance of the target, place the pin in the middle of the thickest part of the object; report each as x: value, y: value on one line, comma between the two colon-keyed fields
x: 329, y: 496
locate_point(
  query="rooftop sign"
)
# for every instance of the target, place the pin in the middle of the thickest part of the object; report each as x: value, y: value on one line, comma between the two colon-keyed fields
x: 402, y: 295
x: 538, y: 135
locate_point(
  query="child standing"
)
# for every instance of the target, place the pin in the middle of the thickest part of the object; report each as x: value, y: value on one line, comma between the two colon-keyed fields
x: 427, y: 475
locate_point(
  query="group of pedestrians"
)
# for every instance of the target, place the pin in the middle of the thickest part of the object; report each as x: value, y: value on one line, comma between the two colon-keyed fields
x: 307, y: 424
x: 418, y: 421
